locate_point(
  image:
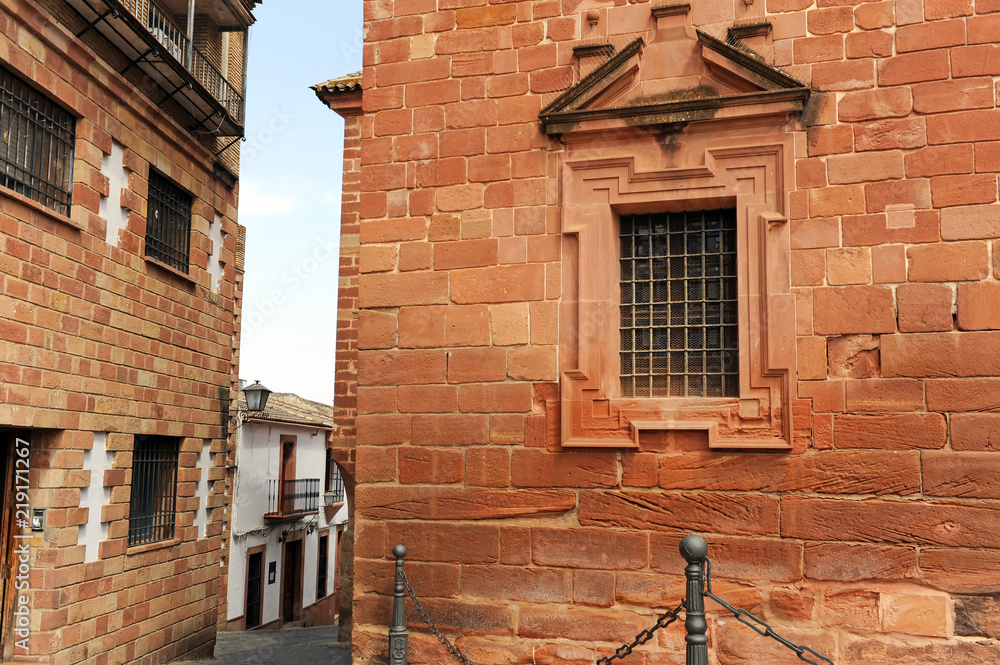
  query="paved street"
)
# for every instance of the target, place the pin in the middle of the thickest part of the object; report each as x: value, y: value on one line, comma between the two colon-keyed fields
x: 294, y: 646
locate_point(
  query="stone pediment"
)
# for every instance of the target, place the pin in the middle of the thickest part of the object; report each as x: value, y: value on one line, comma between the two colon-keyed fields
x: 681, y: 76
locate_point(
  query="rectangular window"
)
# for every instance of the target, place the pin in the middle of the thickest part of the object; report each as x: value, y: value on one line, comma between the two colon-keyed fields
x: 154, y: 489
x: 334, y: 481
x: 168, y: 223
x: 324, y: 547
x: 36, y: 144
x: 679, y: 317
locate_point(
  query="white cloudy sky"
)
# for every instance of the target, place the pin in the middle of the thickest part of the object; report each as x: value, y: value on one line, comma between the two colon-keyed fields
x: 290, y: 192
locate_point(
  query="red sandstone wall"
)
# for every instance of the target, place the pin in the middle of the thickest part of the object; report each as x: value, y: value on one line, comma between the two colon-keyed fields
x: 95, y: 339
x: 874, y: 540
x: 345, y: 401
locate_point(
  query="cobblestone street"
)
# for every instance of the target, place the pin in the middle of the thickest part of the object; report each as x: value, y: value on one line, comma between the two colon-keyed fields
x: 294, y: 646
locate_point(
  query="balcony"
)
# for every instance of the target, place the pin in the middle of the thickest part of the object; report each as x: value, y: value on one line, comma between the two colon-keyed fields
x: 147, y: 33
x: 288, y: 500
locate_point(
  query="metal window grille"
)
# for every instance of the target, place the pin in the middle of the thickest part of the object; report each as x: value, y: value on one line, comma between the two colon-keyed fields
x: 154, y: 489
x: 324, y: 546
x: 168, y: 226
x: 679, y: 320
x: 334, y: 481
x: 36, y: 144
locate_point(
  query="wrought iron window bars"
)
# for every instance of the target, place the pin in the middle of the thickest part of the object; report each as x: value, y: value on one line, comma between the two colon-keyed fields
x: 679, y: 316
x: 36, y: 144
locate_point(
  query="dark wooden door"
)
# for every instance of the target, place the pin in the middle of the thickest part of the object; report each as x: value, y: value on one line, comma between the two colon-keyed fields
x: 291, y: 602
x: 255, y: 579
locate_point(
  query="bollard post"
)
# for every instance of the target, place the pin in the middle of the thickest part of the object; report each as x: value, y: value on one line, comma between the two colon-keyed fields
x: 398, y: 634
x: 694, y: 549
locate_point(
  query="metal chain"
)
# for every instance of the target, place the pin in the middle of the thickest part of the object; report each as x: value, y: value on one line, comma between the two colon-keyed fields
x: 445, y: 642
x: 749, y: 620
x: 644, y: 636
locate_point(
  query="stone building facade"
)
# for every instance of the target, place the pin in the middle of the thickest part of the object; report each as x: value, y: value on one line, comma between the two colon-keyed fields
x: 630, y: 270
x: 119, y: 299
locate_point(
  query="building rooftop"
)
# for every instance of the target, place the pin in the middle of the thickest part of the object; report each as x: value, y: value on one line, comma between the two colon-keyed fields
x: 290, y: 408
x: 342, y: 84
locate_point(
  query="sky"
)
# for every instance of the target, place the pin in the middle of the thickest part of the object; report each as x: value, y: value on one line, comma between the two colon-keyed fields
x: 290, y: 179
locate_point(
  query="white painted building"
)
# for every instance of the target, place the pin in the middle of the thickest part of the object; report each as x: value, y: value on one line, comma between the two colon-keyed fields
x: 288, y: 512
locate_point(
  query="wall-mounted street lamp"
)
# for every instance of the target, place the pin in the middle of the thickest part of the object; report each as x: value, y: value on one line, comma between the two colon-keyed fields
x: 256, y: 396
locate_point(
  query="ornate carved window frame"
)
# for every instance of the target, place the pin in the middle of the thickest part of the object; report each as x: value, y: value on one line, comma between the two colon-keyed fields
x: 602, y: 180
x: 676, y: 120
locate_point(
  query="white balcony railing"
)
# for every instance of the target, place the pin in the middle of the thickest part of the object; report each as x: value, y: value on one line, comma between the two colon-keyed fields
x: 176, y: 44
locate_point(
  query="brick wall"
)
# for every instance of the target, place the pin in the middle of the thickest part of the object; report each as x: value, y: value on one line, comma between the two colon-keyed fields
x: 98, y: 340
x: 346, y: 101
x: 872, y: 539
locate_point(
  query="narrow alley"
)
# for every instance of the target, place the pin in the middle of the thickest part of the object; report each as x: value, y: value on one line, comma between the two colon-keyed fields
x: 293, y: 646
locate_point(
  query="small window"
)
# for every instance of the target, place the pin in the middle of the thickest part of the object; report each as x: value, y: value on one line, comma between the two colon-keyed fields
x: 324, y: 548
x: 36, y: 144
x: 168, y: 223
x: 154, y: 489
x: 679, y: 313
x: 334, y: 481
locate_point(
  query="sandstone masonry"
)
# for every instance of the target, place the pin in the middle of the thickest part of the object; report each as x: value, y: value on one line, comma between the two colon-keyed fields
x: 847, y: 488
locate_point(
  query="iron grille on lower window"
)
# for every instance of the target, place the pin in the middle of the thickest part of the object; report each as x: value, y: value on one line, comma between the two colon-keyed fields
x: 321, y: 562
x: 679, y: 320
x: 36, y: 144
x: 168, y: 223
x: 154, y: 489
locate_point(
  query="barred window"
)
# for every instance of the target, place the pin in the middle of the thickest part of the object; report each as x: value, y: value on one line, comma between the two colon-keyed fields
x: 679, y: 319
x: 334, y: 481
x: 168, y: 223
x: 322, y: 565
x: 154, y: 489
x: 36, y: 144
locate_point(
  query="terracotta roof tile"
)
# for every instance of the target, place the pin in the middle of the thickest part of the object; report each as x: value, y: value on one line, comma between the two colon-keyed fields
x: 341, y: 84
x: 290, y: 408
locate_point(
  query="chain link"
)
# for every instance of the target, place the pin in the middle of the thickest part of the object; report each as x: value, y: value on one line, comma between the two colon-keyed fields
x: 445, y: 642
x: 644, y: 636
x: 665, y: 619
x: 750, y: 620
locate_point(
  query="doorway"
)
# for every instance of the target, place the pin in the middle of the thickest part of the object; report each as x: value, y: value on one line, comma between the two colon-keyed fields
x: 286, y: 476
x: 291, y: 582
x: 255, y: 584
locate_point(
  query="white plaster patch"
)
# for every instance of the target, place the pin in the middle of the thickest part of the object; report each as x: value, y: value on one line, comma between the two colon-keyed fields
x: 204, y: 464
x: 111, y: 210
x: 96, y: 460
x: 218, y: 238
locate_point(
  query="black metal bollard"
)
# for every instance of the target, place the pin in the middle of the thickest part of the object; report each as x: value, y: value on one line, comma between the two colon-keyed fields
x: 398, y: 634
x: 694, y: 549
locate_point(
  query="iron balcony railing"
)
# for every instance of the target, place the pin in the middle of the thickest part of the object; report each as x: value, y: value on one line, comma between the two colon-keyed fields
x: 175, y: 43
x: 287, y: 498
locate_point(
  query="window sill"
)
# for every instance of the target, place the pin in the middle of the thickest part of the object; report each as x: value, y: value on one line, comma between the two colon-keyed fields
x: 173, y: 271
x: 149, y: 547
x: 44, y: 210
